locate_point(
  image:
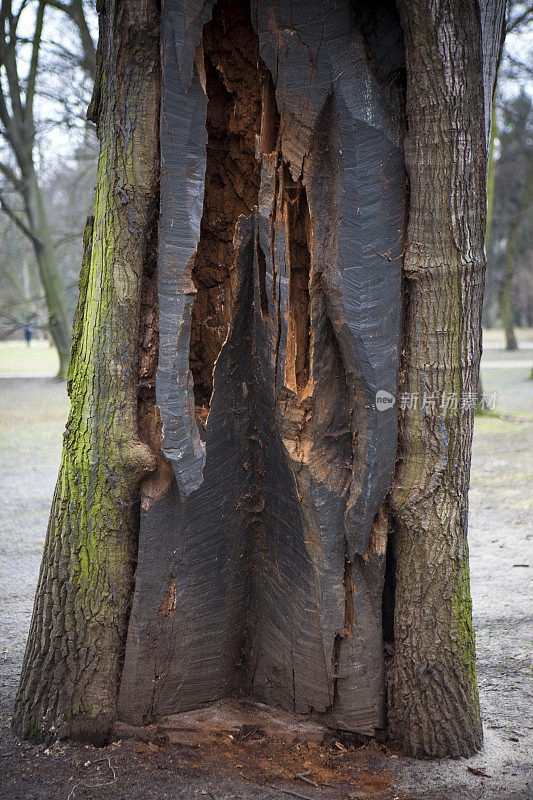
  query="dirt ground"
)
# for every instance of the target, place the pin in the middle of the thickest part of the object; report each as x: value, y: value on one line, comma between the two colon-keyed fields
x: 249, y: 761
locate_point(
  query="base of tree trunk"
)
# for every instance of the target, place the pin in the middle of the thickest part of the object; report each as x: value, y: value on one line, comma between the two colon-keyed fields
x: 64, y: 361
x: 226, y: 717
x: 511, y: 345
x: 293, y: 753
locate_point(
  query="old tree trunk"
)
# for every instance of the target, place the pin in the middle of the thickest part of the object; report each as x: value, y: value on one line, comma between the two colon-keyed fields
x: 238, y: 511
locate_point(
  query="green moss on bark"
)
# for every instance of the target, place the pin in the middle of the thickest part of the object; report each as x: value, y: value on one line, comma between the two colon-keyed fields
x: 74, y: 653
x: 462, y: 604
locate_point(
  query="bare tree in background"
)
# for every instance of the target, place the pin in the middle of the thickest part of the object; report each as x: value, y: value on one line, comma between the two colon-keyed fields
x: 519, y: 17
x: 21, y: 197
x: 21, y: 299
x: 69, y: 190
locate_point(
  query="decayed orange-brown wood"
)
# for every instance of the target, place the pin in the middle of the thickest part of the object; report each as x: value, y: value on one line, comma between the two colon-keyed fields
x: 279, y: 296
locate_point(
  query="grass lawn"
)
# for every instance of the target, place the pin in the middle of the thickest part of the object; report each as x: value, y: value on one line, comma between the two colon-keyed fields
x: 38, y: 360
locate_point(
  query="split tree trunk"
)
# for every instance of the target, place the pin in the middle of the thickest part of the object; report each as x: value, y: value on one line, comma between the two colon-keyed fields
x: 270, y: 439
x: 257, y: 570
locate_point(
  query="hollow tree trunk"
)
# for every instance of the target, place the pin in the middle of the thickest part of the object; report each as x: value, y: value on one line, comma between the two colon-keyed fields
x: 73, y: 657
x: 261, y: 369
x: 257, y: 570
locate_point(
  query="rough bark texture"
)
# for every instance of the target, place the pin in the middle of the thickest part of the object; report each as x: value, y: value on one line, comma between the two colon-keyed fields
x: 75, y: 648
x: 433, y: 700
x: 279, y: 293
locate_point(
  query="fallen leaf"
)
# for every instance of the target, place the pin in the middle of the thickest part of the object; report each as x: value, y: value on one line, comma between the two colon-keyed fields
x: 480, y: 772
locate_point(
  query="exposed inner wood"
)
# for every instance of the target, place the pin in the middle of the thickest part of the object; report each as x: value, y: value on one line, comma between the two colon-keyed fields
x: 296, y: 212
x: 234, y: 90
x: 168, y: 606
x: 250, y: 576
x: 269, y: 114
x: 157, y: 483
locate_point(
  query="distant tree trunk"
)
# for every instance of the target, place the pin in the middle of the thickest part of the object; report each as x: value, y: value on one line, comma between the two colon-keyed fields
x: 76, y: 12
x: 246, y: 399
x: 511, y: 255
x: 16, y: 115
x: 491, y: 174
x: 51, y: 279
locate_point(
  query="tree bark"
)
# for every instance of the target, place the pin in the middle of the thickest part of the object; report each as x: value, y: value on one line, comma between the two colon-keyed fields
x: 75, y: 648
x: 432, y: 689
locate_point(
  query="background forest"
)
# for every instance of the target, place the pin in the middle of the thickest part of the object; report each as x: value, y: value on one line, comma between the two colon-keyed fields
x: 64, y: 155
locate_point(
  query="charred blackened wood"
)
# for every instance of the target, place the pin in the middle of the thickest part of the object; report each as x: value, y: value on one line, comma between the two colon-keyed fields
x: 260, y: 570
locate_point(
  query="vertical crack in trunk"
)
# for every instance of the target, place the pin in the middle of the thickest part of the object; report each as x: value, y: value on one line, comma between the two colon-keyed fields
x: 265, y: 592
x: 348, y: 586
x: 269, y: 114
x: 349, y: 591
x: 296, y: 211
x: 149, y: 425
x: 234, y: 91
x: 261, y: 269
x: 269, y: 143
